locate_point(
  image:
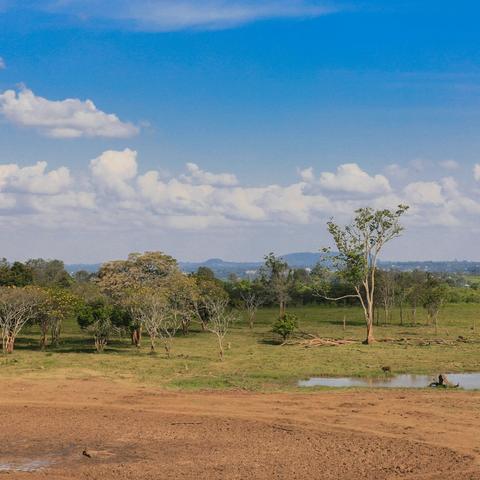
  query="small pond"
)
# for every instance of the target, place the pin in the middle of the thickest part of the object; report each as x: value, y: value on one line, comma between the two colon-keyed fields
x: 467, y: 381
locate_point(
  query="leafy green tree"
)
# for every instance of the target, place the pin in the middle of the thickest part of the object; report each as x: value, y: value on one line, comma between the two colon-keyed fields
x: 434, y: 295
x: 207, y: 289
x: 15, y: 275
x: 358, y: 248
x: 59, y: 305
x: 120, y: 279
x: 96, y: 317
x: 49, y: 273
x: 277, y: 277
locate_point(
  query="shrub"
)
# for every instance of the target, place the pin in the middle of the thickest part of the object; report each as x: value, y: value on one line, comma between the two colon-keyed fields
x: 285, y: 325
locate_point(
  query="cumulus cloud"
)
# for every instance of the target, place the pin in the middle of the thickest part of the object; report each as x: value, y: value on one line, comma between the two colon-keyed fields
x: 197, y: 176
x: 350, y: 178
x: 113, y: 170
x: 171, y: 15
x: 34, y: 179
x: 70, y: 118
x: 424, y: 193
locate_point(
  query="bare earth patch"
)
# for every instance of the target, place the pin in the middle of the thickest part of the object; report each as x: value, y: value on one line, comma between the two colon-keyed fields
x: 96, y: 429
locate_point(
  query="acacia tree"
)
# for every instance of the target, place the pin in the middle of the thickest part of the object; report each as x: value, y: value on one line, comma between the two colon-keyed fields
x: 252, y: 300
x: 17, y: 307
x: 221, y: 318
x: 207, y: 287
x: 182, y: 296
x: 434, y: 294
x: 358, y: 248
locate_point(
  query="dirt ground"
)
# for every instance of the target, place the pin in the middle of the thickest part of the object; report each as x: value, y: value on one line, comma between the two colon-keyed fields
x: 132, y: 432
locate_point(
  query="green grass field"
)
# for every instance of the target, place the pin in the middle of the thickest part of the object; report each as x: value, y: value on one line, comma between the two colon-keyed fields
x: 255, y: 361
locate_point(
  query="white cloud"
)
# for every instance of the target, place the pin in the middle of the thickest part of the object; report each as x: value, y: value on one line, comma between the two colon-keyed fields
x: 307, y: 175
x: 170, y: 15
x: 198, y: 176
x: 34, y: 179
x: 449, y: 165
x: 350, y: 178
x: 115, y: 194
x: 113, y: 170
x: 70, y: 118
x: 424, y: 193
x: 3, y: 65
x: 476, y: 172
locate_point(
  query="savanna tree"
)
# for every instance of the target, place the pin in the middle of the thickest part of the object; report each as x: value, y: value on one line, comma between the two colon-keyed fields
x: 207, y: 288
x: 17, y: 307
x: 358, y: 248
x: 96, y: 317
x: 252, y: 296
x: 120, y: 279
x: 434, y: 294
x: 182, y: 296
x: 220, y: 320
x: 278, y: 278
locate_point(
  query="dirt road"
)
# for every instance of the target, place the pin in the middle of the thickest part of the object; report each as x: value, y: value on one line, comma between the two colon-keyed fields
x: 94, y: 429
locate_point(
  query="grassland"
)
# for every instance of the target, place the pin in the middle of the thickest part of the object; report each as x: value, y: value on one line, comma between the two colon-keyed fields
x: 254, y: 360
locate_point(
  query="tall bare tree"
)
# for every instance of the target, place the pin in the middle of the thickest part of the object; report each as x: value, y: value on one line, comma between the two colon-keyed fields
x: 252, y: 300
x: 221, y: 318
x: 358, y: 248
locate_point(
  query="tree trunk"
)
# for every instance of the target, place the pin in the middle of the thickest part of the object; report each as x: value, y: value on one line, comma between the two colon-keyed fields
x: 369, y: 319
x: 137, y: 337
x: 220, y: 349
x: 10, y: 344
x: 370, y: 338
x: 43, y: 340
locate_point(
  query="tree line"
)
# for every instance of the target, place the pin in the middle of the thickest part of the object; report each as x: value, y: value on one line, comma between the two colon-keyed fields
x: 149, y: 293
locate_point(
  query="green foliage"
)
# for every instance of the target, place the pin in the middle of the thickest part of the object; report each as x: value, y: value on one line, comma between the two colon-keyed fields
x: 49, y: 273
x: 285, y: 325
x: 15, y: 275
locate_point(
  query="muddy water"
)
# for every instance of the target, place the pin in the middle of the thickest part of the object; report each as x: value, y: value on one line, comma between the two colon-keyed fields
x: 26, y: 466
x: 467, y: 381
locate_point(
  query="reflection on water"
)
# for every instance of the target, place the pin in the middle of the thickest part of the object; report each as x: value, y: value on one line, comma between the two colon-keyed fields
x: 467, y: 381
x: 27, y: 466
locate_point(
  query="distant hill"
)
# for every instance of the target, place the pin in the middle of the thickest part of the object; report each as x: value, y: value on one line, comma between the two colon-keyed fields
x: 77, y: 267
x: 223, y: 269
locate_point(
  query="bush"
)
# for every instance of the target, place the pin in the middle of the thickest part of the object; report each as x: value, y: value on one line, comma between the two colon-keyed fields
x: 285, y: 325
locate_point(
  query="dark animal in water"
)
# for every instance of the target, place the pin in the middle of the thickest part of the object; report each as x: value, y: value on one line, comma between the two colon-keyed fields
x: 386, y: 370
x: 443, y: 382
x: 86, y: 454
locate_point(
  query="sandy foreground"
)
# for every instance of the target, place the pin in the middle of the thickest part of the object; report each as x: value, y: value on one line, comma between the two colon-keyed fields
x: 140, y: 432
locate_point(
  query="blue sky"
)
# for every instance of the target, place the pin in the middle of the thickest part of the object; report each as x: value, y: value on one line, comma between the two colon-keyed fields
x: 259, y: 91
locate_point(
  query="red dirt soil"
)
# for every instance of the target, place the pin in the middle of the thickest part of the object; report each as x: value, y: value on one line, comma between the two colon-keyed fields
x: 138, y: 432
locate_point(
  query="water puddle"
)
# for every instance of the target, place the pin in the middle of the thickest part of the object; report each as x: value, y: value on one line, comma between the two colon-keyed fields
x: 27, y: 466
x: 466, y: 381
